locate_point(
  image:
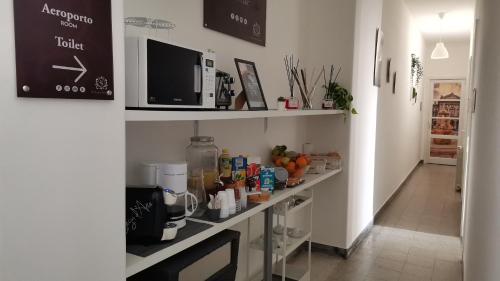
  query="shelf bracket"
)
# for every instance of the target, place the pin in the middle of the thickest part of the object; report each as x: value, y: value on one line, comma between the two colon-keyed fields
x: 196, y: 128
x: 266, y: 124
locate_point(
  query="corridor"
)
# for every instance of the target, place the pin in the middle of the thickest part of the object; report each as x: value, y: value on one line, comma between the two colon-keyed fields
x: 414, y: 238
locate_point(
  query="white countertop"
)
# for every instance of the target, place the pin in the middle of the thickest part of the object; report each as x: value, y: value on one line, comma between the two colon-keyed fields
x: 135, y: 264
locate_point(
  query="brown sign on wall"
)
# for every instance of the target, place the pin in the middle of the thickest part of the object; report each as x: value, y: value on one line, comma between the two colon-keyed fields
x: 245, y: 19
x: 64, y: 49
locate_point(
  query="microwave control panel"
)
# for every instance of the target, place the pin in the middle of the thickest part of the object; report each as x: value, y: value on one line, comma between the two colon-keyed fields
x: 209, y: 81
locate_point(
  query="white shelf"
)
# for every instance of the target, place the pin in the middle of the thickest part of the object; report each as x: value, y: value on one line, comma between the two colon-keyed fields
x: 307, y: 201
x: 151, y: 115
x: 295, y: 243
x: 135, y: 264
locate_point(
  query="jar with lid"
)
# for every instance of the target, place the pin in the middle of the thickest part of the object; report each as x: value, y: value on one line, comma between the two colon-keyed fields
x: 202, y: 158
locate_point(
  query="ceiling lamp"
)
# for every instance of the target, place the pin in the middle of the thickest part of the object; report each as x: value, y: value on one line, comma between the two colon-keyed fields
x: 440, y: 52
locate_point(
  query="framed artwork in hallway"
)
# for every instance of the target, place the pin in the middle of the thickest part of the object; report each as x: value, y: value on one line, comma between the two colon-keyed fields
x: 377, y: 65
x: 444, y: 115
x: 388, y: 71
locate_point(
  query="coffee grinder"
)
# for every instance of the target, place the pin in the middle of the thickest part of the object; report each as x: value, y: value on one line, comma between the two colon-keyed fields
x: 223, y: 89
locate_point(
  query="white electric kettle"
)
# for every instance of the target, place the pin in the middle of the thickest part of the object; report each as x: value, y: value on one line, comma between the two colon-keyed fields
x: 172, y: 177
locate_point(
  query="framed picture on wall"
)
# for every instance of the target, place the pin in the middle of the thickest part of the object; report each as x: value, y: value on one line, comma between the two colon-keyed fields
x: 388, y: 71
x: 250, y: 83
x: 394, y: 81
x: 377, y: 65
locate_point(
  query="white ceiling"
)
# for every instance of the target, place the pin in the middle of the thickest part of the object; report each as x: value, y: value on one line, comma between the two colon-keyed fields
x: 457, y: 22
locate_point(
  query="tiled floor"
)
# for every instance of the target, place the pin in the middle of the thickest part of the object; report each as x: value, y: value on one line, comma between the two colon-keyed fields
x: 415, y: 238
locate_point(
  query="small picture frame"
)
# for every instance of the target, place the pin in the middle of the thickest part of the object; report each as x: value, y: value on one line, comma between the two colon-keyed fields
x: 250, y: 83
x: 388, y: 71
x: 394, y: 78
x: 377, y: 64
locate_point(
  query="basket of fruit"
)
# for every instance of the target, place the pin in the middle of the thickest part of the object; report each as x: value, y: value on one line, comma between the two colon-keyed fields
x: 295, y: 163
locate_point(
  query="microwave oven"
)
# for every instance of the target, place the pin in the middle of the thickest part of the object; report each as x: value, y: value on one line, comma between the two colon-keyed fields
x: 161, y: 75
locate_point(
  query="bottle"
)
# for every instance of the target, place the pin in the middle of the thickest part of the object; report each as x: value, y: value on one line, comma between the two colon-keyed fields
x: 225, y: 164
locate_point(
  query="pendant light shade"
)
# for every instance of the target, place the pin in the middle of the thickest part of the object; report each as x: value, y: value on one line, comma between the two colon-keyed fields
x: 440, y: 52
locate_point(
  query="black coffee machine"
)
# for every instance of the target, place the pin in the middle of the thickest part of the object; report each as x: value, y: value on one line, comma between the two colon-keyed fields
x: 223, y: 89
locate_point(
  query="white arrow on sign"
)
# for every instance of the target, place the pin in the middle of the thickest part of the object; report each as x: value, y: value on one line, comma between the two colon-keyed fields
x: 82, y: 68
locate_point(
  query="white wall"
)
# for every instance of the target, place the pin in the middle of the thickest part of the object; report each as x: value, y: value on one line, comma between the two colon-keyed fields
x: 398, y: 116
x: 363, y: 126
x: 328, y: 38
x: 282, y: 38
x: 61, y: 177
x: 456, y: 67
x: 482, y: 232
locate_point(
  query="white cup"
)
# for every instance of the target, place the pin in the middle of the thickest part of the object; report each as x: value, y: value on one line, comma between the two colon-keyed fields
x: 231, y: 200
x: 224, y: 204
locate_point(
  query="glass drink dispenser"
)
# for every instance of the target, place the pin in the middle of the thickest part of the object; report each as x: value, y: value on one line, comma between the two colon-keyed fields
x: 202, y: 158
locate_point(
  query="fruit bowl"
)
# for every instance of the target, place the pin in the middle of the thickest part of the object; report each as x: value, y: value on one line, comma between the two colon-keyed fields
x: 296, y: 164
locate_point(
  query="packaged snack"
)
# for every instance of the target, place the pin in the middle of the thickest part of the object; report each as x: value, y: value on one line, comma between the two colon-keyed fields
x: 225, y: 164
x: 239, y: 170
x: 253, y: 174
x: 267, y: 178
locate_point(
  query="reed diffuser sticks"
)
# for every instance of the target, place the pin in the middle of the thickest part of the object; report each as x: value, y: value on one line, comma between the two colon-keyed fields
x: 307, y: 87
x: 290, y: 64
x: 307, y: 90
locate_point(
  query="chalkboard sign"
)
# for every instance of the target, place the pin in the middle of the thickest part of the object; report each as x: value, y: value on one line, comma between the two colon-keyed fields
x: 64, y: 49
x: 244, y: 19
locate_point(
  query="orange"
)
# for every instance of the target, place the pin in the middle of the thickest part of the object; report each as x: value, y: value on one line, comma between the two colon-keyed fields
x: 278, y: 163
x: 302, y: 161
x: 298, y: 173
x: 309, y: 160
x: 291, y: 167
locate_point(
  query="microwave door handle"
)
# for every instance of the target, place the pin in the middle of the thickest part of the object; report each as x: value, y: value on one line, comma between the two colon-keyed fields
x: 197, y: 79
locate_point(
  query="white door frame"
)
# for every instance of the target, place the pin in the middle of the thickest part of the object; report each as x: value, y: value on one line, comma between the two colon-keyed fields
x: 428, y: 119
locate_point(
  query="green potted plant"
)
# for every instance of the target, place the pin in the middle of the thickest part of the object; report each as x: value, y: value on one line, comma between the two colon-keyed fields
x: 417, y: 72
x: 341, y: 97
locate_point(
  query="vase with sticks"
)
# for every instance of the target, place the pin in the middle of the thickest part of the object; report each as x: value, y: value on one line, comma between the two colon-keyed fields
x: 307, y: 85
x: 290, y: 63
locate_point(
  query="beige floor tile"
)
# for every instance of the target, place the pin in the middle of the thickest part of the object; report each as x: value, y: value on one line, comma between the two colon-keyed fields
x: 393, y: 255
x: 396, y: 265
x: 377, y: 273
x: 415, y: 238
x: 441, y: 274
x: 421, y: 260
x: 410, y: 277
x: 418, y: 271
